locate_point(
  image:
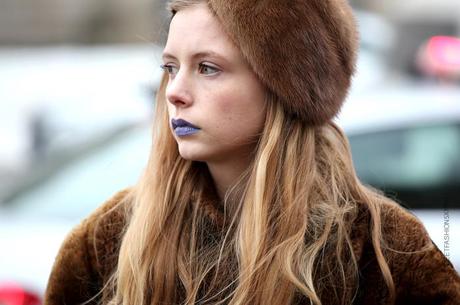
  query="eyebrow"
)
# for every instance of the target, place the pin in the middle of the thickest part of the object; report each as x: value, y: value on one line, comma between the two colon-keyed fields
x: 197, y: 55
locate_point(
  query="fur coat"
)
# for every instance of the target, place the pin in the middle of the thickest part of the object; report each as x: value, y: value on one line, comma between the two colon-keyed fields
x: 89, y: 255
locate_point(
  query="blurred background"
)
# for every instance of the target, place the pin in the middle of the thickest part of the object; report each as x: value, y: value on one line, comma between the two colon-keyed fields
x: 77, y: 87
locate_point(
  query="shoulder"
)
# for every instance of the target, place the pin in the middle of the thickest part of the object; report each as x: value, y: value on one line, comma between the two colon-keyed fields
x: 402, y: 229
x: 89, y: 253
x: 103, y: 231
x: 405, y: 241
x: 420, y: 271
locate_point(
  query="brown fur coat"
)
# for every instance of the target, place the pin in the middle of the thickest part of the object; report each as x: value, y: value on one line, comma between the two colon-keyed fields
x: 89, y: 255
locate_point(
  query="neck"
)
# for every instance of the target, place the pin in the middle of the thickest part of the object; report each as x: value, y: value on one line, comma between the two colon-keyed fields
x: 225, y: 175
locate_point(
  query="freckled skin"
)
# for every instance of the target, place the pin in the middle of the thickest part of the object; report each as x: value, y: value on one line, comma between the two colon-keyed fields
x: 227, y: 104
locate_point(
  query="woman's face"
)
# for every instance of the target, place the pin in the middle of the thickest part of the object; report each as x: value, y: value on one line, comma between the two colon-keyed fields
x: 211, y: 87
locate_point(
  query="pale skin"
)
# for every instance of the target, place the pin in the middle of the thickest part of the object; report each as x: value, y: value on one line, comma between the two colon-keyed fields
x: 212, y: 86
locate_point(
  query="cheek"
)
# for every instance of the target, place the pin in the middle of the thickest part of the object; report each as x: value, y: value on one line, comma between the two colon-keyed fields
x: 221, y: 106
x: 241, y: 108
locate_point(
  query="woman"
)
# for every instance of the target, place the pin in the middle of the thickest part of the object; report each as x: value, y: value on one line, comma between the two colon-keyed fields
x: 250, y: 196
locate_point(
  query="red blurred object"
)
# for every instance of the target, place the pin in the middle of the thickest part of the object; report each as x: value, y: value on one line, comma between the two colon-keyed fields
x: 440, y: 56
x: 14, y: 294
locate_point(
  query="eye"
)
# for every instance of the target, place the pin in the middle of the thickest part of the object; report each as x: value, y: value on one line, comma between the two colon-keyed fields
x: 207, y: 69
x: 170, y: 69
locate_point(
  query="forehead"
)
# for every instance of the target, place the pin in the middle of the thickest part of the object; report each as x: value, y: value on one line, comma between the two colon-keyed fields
x: 195, y: 29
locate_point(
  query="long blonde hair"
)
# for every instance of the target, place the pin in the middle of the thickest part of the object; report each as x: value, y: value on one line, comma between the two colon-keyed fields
x: 288, y: 237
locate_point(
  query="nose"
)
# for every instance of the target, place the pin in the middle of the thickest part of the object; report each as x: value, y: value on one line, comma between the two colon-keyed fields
x: 178, y: 91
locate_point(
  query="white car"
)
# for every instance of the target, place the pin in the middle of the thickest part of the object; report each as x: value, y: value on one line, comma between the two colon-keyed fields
x: 54, y: 99
x: 34, y: 223
x: 406, y: 141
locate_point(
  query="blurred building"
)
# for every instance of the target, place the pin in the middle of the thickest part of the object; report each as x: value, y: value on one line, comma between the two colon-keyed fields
x: 119, y: 21
x: 415, y: 22
x: 26, y: 22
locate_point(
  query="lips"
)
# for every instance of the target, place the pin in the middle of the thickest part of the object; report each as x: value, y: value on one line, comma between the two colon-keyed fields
x: 182, y: 123
x: 182, y: 127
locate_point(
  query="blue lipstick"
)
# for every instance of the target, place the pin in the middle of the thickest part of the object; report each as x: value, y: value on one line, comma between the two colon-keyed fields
x: 183, y: 128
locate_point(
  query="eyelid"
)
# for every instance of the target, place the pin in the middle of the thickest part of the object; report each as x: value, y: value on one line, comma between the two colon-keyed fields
x: 209, y: 65
x: 168, y: 68
x: 171, y: 69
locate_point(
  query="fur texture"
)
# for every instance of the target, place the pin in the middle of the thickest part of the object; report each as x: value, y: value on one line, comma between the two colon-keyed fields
x: 303, y: 50
x: 89, y: 255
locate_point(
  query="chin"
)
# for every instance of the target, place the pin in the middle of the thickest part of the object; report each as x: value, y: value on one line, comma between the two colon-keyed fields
x: 191, y: 155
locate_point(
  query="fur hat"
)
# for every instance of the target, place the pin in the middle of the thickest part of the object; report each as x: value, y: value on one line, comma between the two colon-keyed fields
x: 304, y: 51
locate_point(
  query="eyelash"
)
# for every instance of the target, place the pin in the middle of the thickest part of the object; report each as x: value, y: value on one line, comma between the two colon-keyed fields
x: 169, y: 68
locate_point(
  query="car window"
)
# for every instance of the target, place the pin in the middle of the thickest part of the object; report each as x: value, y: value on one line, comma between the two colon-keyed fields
x: 419, y: 166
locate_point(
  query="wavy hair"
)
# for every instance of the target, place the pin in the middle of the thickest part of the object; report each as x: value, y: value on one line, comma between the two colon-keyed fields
x: 288, y: 237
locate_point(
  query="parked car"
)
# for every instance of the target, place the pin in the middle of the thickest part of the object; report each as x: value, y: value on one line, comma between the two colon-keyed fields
x: 406, y: 142
x: 34, y: 222
x: 57, y: 99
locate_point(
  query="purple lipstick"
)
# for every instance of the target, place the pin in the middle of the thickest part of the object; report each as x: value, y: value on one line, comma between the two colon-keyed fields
x: 183, y: 128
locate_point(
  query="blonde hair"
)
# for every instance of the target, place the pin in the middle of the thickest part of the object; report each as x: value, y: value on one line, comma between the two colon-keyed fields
x: 288, y: 237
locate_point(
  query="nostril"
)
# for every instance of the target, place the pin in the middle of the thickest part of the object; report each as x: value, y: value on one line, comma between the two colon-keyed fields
x: 177, y: 101
x: 178, y: 98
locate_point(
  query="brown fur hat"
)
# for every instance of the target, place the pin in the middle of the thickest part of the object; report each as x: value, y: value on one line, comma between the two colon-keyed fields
x: 303, y: 50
